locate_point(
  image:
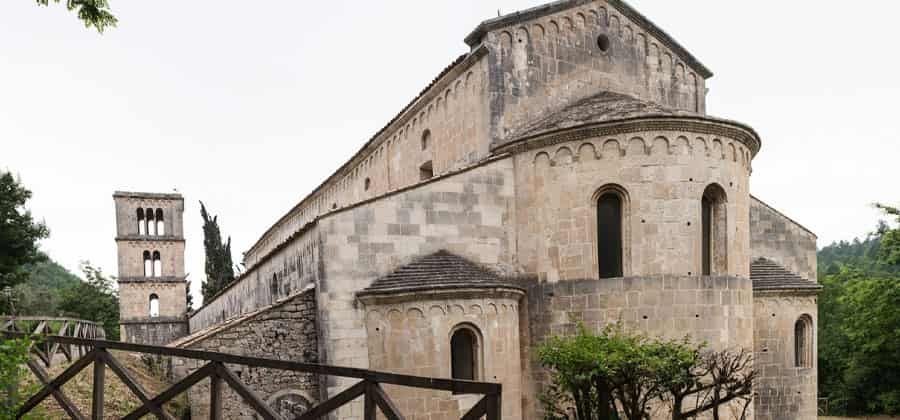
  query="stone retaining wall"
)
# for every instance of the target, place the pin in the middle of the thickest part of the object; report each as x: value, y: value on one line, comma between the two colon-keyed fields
x: 286, y: 331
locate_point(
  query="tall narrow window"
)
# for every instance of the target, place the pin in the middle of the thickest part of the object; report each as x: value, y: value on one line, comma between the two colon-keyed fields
x: 154, y: 305
x: 151, y: 223
x: 803, y: 346
x: 142, y: 227
x: 157, y: 264
x: 609, y: 235
x: 148, y: 265
x: 273, y: 285
x: 426, y: 139
x: 426, y: 171
x: 713, y: 231
x: 464, y: 354
x: 160, y: 226
x: 706, y: 227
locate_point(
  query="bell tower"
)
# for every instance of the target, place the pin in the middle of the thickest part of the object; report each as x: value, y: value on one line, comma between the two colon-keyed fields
x: 152, y: 284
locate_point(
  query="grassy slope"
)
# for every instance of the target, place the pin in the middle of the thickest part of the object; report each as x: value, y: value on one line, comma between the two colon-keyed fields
x: 118, y: 399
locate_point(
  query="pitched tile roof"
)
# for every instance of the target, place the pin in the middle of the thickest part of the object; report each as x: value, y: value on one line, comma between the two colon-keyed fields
x: 768, y: 275
x: 602, y: 107
x: 438, y: 271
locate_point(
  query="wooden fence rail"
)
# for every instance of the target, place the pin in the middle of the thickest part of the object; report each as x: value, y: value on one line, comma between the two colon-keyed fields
x: 369, y: 387
x: 66, y: 327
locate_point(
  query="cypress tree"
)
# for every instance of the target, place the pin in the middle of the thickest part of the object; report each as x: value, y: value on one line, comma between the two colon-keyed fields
x: 219, y: 268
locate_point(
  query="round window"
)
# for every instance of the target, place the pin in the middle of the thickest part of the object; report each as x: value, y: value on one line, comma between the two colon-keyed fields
x: 603, y: 42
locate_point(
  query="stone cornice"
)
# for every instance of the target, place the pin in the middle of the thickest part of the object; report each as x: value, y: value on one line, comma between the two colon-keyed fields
x: 154, y: 320
x: 786, y: 291
x: 148, y: 195
x: 145, y: 238
x: 693, y: 124
x: 141, y: 279
x: 473, y: 291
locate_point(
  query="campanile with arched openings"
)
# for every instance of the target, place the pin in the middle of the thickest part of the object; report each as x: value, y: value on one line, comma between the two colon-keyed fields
x: 152, y: 283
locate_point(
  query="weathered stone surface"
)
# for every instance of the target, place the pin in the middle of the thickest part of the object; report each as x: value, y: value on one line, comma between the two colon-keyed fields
x: 286, y: 331
x: 777, y: 237
x: 501, y: 161
x: 715, y: 310
x: 785, y: 391
x: 165, y: 280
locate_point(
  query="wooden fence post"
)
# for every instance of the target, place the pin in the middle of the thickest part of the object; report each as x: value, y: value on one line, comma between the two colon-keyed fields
x: 99, y: 385
x: 370, y: 411
x: 215, y: 397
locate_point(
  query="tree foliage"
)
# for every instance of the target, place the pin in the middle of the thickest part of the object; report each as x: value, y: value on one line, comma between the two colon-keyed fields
x: 19, y: 233
x: 94, y: 13
x: 889, y: 254
x: 14, y: 353
x: 597, y: 376
x: 41, y: 292
x: 219, y: 267
x: 859, y: 324
x: 94, y: 299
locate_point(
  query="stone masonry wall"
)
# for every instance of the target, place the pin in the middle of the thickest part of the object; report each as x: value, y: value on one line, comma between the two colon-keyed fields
x: 413, y: 337
x: 784, y: 391
x: 286, y: 271
x: 717, y: 310
x: 286, y: 331
x: 127, y: 204
x: 467, y: 213
x: 663, y: 176
x: 131, y: 257
x: 540, y: 65
x: 780, y: 239
x: 453, y: 110
x: 153, y: 331
x: 134, y: 299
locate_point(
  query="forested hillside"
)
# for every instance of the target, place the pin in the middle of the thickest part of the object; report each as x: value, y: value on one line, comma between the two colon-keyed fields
x: 859, y: 323
x: 41, y: 293
x: 51, y: 290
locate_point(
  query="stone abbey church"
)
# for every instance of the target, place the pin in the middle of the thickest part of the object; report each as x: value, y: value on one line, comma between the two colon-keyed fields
x: 563, y: 170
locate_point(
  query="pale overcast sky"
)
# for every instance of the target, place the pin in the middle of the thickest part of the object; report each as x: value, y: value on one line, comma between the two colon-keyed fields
x: 250, y: 105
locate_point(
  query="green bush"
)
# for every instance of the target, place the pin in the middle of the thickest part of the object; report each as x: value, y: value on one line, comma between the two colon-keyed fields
x: 596, y: 376
x: 13, y: 356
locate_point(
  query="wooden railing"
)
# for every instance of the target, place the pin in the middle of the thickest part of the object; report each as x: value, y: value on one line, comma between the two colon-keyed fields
x: 369, y: 387
x: 66, y: 327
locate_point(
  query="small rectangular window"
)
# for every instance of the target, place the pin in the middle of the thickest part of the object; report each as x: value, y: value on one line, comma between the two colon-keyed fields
x: 426, y: 171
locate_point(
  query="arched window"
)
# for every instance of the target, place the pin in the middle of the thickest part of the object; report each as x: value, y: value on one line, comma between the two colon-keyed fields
x: 142, y: 227
x: 273, y: 285
x: 803, y: 342
x: 154, y: 305
x: 151, y: 224
x: 367, y: 184
x: 714, y: 234
x: 160, y: 226
x: 426, y: 139
x: 609, y: 234
x: 148, y: 265
x: 465, y: 353
x: 157, y: 264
